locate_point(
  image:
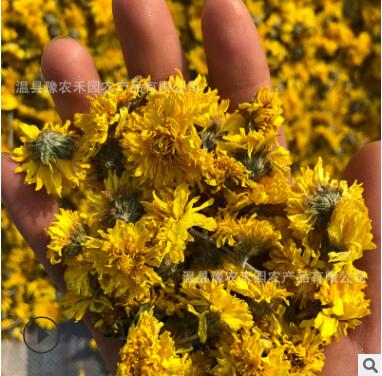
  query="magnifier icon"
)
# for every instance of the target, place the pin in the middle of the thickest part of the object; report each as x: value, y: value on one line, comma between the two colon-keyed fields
x: 369, y: 364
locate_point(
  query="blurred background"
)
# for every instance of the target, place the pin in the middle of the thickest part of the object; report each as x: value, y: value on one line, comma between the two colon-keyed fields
x: 324, y: 58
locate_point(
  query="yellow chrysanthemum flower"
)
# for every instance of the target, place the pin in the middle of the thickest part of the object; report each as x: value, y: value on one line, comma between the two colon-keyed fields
x: 272, y: 190
x: 292, y: 259
x: 251, y: 355
x: 105, y: 110
x: 249, y: 237
x: 265, y: 163
x: 344, y: 304
x: 349, y: 229
x: 76, y: 306
x: 149, y: 351
x: 264, y: 113
x: 118, y: 200
x: 66, y: 235
x: 215, y: 306
x: 78, y: 278
x: 258, y: 291
x: 222, y: 171
x: 312, y: 201
x: 170, y: 217
x: 50, y: 157
x: 305, y: 353
x: 123, y: 262
x: 162, y: 145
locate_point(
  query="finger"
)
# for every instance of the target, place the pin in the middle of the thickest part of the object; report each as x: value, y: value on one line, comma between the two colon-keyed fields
x: 365, y: 167
x: 148, y: 37
x: 236, y: 60
x: 341, y: 357
x: 66, y: 60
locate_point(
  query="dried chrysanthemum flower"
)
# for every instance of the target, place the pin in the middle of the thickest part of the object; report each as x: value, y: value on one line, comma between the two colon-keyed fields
x: 124, y: 264
x: 66, y: 237
x: 251, y: 354
x: 188, y: 219
x: 162, y: 144
x: 118, y: 199
x: 345, y: 305
x: 216, y: 309
x: 169, y: 218
x: 149, y: 351
x: 313, y: 198
x: 349, y: 230
x: 50, y: 157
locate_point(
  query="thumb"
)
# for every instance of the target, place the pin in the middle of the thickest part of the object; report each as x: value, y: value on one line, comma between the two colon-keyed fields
x: 365, y: 167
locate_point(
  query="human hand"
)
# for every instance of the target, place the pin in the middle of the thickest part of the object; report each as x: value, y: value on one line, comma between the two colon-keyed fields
x: 237, y: 68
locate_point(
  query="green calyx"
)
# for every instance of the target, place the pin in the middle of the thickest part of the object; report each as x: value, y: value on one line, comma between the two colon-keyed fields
x: 127, y: 208
x: 323, y: 203
x: 210, y: 138
x: 75, y: 247
x: 258, y: 165
x: 50, y: 146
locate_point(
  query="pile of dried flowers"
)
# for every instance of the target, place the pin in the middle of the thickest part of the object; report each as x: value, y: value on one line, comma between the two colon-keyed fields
x: 191, y: 241
x: 329, y: 84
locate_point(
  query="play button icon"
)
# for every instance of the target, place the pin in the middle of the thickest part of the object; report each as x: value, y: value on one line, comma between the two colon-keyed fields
x: 37, y: 338
x: 41, y: 335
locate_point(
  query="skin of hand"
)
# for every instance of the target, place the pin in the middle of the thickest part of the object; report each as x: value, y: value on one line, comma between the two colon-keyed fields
x: 237, y: 68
